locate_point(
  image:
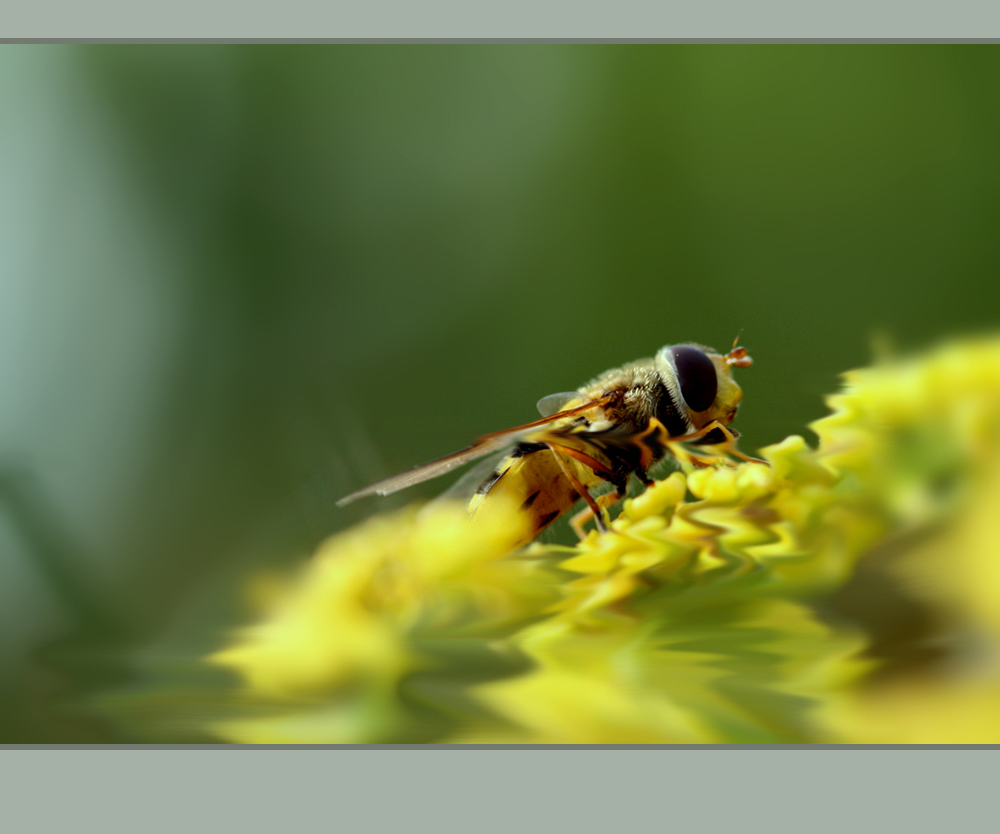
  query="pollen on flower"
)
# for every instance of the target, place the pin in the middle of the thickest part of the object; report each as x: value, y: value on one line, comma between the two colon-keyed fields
x: 707, y: 613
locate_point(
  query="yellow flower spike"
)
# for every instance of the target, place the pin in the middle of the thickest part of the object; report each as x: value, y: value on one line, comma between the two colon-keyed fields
x: 691, y: 620
x: 657, y: 499
x: 601, y: 557
x: 793, y: 460
x: 645, y: 530
x: 356, y: 615
x: 714, y: 484
x: 755, y: 477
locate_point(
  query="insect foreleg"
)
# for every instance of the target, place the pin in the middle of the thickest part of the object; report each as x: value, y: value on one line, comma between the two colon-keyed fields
x: 728, y: 445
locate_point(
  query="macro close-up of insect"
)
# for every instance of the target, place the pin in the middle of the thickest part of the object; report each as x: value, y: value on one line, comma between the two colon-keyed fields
x: 250, y: 290
x: 618, y: 425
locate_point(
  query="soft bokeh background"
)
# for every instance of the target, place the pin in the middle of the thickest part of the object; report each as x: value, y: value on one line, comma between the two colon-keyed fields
x: 239, y: 282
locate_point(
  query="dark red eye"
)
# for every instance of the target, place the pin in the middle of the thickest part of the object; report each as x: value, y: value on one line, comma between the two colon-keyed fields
x: 696, y: 377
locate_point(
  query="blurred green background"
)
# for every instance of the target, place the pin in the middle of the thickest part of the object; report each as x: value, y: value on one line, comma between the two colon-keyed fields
x: 237, y: 282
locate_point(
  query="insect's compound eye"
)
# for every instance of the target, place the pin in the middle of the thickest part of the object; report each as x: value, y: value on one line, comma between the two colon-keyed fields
x: 696, y: 377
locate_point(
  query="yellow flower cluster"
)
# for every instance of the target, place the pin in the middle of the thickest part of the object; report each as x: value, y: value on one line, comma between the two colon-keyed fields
x: 703, y: 615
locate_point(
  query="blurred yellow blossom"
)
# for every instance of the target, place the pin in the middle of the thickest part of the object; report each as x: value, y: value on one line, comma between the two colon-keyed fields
x: 724, y: 604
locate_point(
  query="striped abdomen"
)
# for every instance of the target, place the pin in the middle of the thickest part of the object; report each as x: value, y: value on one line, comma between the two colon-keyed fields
x: 531, y: 478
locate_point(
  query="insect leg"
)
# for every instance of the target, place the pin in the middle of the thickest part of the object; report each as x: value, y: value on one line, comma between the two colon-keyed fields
x: 582, y: 517
x: 729, y: 445
x: 643, y: 477
x: 584, y: 458
x: 647, y: 454
x: 657, y: 432
x: 580, y: 488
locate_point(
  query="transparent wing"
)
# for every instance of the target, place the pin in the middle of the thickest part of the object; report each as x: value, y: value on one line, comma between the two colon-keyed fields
x: 554, y: 403
x: 465, y: 487
x: 426, y: 471
x: 488, y: 444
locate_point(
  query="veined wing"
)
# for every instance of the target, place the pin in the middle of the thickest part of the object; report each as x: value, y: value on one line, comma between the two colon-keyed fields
x: 554, y: 403
x: 485, y: 445
x: 465, y: 487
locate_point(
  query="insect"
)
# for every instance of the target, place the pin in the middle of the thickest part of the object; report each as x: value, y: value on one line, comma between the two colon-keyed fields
x: 617, y: 425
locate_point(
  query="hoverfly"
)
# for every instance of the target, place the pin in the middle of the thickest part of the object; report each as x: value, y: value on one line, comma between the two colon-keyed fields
x: 616, y: 426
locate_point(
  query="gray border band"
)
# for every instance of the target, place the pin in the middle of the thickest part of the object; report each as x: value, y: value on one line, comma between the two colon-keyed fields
x: 494, y: 40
